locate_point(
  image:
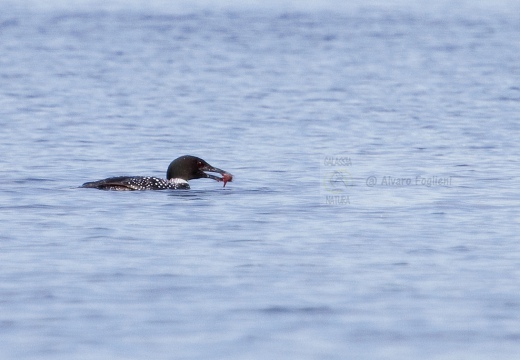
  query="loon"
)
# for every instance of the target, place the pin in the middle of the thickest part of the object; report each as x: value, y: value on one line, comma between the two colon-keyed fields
x: 181, y: 170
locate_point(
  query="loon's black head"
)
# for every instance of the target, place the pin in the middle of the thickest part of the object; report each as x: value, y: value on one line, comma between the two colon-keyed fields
x: 189, y: 167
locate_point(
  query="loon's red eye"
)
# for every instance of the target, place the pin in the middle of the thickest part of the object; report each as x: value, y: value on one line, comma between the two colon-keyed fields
x: 199, y: 164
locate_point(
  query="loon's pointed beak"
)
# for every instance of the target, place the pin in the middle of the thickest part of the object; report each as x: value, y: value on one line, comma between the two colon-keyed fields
x: 226, y: 177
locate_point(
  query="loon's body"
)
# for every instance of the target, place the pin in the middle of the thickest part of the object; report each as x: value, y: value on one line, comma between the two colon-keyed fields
x: 137, y: 183
x: 179, y: 172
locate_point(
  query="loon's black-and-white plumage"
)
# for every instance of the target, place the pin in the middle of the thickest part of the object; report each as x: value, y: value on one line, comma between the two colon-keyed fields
x: 181, y: 170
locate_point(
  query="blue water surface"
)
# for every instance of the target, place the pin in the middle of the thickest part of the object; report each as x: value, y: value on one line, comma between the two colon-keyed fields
x: 374, y: 208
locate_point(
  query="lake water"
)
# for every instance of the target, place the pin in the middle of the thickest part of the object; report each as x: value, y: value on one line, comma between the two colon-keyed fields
x: 374, y: 210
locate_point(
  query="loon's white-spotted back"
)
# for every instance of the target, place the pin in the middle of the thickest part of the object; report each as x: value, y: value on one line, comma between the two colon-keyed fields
x: 137, y: 183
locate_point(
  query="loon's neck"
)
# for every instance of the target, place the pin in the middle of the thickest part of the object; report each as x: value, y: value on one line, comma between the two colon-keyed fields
x: 177, y: 181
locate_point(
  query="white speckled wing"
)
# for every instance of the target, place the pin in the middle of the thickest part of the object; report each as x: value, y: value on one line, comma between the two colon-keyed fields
x: 138, y: 183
